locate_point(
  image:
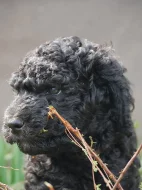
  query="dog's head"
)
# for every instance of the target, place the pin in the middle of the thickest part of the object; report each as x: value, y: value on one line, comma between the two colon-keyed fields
x: 82, y: 80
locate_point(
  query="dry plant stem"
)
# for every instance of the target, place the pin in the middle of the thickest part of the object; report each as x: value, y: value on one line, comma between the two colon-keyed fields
x: 52, y: 111
x: 50, y: 187
x: 107, y: 181
x: 91, y: 160
x: 111, y: 184
x: 127, y: 167
x: 73, y: 139
x: 4, y: 187
x: 88, y: 154
x: 93, y: 176
x: 9, y: 168
x: 104, y: 167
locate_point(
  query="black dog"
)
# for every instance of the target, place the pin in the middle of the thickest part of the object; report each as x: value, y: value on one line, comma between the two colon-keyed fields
x: 86, y: 84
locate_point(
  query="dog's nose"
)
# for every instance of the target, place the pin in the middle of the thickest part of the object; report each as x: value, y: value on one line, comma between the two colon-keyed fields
x: 15, y: 124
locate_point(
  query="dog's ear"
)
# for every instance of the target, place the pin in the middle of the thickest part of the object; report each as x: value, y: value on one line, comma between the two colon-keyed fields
x: 109, y: 89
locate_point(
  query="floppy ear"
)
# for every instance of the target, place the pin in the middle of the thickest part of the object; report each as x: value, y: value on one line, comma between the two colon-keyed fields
x: 109, y: 89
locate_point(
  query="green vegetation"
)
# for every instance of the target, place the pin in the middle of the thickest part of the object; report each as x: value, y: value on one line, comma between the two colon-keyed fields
x: 10, y: 156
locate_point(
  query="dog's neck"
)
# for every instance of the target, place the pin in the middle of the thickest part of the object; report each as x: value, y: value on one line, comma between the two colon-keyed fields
x: 63, y: 169
x: 71, y: 161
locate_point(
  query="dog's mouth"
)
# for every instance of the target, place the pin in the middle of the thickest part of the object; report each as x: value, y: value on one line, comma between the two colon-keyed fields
x: 37, y: 141
x: 48, y: 146
x: 10, y: 138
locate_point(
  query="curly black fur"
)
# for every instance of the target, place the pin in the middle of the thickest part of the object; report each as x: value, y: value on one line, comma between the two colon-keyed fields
x: 86, y: 84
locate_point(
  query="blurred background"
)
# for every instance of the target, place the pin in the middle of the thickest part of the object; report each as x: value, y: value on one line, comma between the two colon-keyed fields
x: 25, y: 24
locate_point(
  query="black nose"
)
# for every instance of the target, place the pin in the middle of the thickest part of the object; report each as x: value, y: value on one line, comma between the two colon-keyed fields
x: 15, y: 124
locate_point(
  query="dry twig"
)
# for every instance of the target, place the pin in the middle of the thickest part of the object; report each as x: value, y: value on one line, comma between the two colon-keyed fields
x: 90, y: 152
x: 49, y: 186
x: 7, y: 167
x: 127, y: 167
x: 4, y: 187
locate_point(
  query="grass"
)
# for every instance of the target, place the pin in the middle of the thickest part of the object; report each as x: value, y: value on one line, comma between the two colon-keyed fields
x: 10, y: 156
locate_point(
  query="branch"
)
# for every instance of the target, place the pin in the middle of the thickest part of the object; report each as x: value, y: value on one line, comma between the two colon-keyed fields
x: 8, y: 168
x: 127, y: 167
x: 77, y: 134
x: 49, y: 185
x: 4, y: 187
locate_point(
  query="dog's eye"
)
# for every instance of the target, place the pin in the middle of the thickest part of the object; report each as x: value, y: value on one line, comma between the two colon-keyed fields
x: 54, y: 91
